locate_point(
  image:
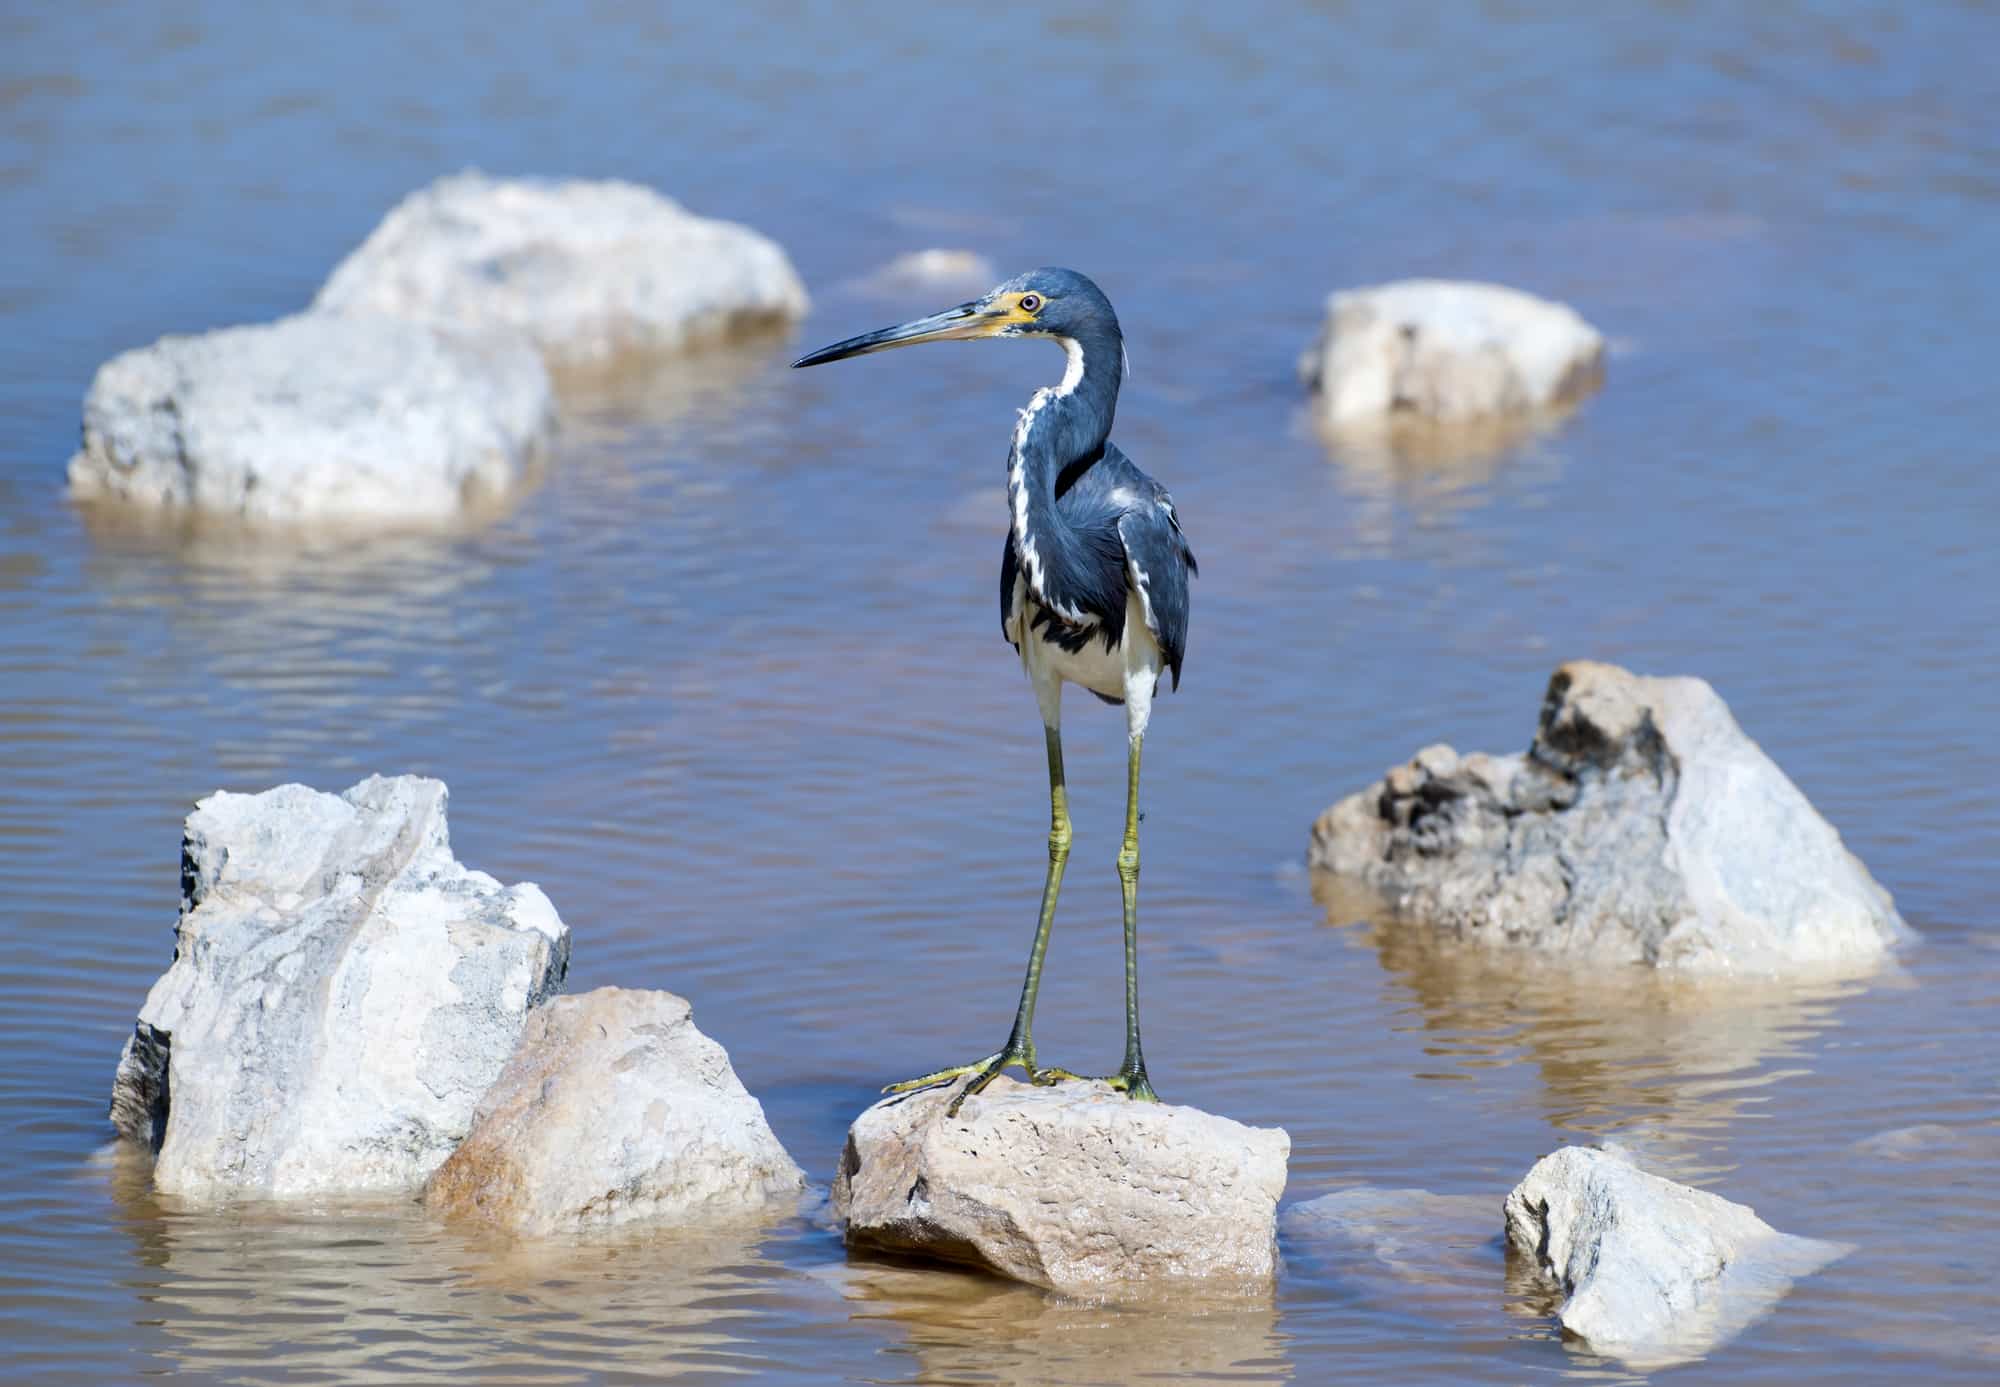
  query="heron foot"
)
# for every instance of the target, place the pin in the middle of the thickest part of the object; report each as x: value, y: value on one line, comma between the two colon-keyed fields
x: 1134, y: 1084
x: 984, y: 1072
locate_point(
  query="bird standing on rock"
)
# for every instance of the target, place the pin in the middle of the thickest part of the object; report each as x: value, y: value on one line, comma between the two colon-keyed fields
x: 1093, y: 589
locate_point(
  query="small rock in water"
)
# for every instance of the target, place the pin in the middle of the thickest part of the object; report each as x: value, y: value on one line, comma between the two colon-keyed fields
x: 589, y: 270
x: 343, y: 992
x: 614, y: 1110
x: 962, y: 270
x: 1072, y: 1186
x: 1652, y: 1272
x: 313, y: 418
x: 1448, y: 351
x: 1641, y: 825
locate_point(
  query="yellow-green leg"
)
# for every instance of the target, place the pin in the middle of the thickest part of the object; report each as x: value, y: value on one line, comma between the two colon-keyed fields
x: 1131, y: 1075
x: 1020, y: 1047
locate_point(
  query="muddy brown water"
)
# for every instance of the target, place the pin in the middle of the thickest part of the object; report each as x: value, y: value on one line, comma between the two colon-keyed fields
x: 729, y: 682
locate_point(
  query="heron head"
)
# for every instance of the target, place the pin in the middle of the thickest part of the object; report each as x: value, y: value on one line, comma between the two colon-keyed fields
x: 1048, y: 303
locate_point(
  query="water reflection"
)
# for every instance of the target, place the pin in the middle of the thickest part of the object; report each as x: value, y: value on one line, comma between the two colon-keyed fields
x: 1437, y: 469
x: 1664, y: 1064
x: 375, y: 1293
x: 311, y: 641
x: 603, y: 404
x: 961, y: 1327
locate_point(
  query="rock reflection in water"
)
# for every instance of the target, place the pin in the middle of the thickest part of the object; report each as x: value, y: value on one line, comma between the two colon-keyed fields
x: 376, y: 1293
x: 1436, y: 467
x: 1657, y: 1061
x: 962, y: 1327
x: 308, y: 639
x: 619, y: 408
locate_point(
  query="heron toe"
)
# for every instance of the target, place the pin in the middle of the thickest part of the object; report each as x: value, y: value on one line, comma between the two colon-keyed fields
x: 995, y: 1062
x: 983, y: 1072
x: 1134, y: 1084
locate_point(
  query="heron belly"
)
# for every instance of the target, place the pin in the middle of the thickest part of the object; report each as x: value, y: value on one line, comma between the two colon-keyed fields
x: 1097, y: 669
x: 1106, y: 672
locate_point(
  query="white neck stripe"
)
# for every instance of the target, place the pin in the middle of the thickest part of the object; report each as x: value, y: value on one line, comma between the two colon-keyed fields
x: 1073, y: 374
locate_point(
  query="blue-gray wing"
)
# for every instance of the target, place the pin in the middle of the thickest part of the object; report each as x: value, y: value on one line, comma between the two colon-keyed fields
x: 1161, y: 563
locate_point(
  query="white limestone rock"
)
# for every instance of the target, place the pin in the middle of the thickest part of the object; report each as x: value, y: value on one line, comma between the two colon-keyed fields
x: 1450, y: 351
x: 343, y: 991
x: 1651, y: 1272
x: 314, y: 418
x: 614, y: 1110
x: 1641, y: 826
x: 591, y: 271
x: 1073, y: 1186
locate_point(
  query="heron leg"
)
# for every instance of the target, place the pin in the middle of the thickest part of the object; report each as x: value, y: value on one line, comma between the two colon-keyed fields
x: 1131, y: 1076
x: 1020, y: 1047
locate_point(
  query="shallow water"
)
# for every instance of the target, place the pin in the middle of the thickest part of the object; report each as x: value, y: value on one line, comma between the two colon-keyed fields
x: 729, y: 683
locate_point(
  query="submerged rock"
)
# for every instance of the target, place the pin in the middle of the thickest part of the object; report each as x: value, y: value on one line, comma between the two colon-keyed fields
x: 589, y: 270
x: 1449, y: 351
x: 1417, y: 1235
x: 1641, y: 825
x: 1072, y: 1186
x: 1651, y: 1272
x: 315, y: 417
x: 343, y: 992
x: 614, y: 1110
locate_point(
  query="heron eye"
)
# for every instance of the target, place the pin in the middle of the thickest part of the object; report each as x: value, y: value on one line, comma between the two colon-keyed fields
x: 1031, y: 303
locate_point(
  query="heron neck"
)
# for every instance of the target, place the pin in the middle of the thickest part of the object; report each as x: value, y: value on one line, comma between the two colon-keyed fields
x: 1071, y: 419
x: 1064, y: 423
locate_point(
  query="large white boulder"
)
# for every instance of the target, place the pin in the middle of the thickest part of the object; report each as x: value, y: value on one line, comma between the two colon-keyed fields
x: 589, y: 270
x: 1449, y: 351
x: 343, y: 991
x: 316, y: 417
x: 1072, y: 1186
x: 614, y: 1110
x: 1650, y: 1271
x: 1641, y: 825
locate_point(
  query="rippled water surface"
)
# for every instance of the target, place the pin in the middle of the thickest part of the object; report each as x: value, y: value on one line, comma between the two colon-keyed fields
x: 729, y: 682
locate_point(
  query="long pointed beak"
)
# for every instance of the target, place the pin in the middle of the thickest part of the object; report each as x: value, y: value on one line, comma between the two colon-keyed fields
x: 968, y: 320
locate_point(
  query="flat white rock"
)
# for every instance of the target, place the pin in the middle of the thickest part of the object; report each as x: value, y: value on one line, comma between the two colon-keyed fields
x: 1448, y: 350
x: 588, y: 270
x: 1072, y: 1186
x: 315, y: 418
x: 1641, y: 826
x: 343, y: 992
x: 1651, y: 1272
x: 614, y: 1110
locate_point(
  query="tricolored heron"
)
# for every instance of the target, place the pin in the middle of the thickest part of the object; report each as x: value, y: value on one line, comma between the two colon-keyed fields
x: 1093, y: 589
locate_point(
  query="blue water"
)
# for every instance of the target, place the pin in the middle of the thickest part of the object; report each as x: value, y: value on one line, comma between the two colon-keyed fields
x: 729, y: 684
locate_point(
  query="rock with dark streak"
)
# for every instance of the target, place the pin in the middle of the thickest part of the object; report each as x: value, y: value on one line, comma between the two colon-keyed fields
x: 1651, y: 1272
x: 1641, y: 826
x: 343, y: 992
